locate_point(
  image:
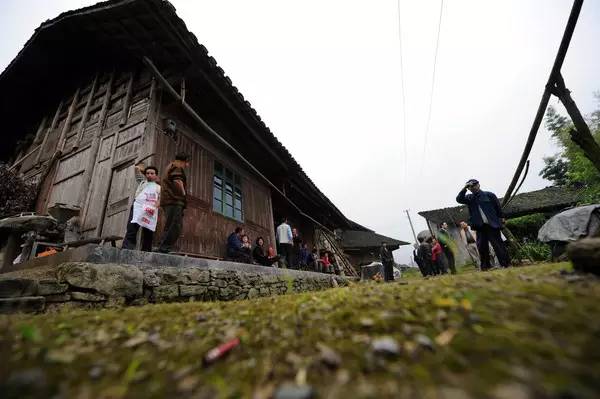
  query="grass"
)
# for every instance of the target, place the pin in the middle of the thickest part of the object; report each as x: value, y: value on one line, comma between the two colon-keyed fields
x: 521, y: 332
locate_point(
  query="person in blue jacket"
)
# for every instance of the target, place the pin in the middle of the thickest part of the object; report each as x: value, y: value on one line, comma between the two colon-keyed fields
x: 487, y: 219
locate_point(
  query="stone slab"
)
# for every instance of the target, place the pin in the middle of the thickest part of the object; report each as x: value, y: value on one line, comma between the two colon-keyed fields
x: 17, y: 287
x: 30, y: 304
x: 92, y: 253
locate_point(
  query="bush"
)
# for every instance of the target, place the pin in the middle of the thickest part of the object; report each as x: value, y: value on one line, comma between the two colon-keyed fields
x: 16, y: 195
x: 525, y: 228
x: 536, y: 251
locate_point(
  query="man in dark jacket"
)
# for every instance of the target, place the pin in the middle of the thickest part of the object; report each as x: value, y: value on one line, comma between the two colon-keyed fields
x: 234, y: 245
x: 173, y: 201
x: 486, y: 219
x: 388, y: 262
x: 424, y: 254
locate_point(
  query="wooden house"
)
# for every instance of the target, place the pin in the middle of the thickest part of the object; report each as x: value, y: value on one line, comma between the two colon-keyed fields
x: 96, y: 90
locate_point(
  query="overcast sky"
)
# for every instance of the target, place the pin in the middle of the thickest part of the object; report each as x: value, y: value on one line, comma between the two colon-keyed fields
x: 325, y: 77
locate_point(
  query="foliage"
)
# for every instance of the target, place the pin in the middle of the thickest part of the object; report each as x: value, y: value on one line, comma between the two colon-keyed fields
x: 536, y: 251
x: 16, y: 195
x: 525, y: 228
x: 570, y: 166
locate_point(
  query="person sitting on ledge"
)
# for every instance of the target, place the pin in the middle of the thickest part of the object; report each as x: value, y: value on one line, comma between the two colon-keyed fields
x: 325, y: 262
x: 246, y: 250
x: 303, y: 256
x: 234, y: 245
x: 259, y: 254
x: 314, y: 261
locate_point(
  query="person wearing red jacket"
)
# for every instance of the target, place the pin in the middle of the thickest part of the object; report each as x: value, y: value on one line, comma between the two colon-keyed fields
x: 437, y: 257
x: 325, y: 262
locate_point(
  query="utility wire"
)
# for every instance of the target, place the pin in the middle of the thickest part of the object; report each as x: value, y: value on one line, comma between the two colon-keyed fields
x: 402, y: 91
x: 437, y: 45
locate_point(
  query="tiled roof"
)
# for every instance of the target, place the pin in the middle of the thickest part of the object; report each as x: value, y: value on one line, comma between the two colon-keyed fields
x: 545, y: 200
x: 149, y: 28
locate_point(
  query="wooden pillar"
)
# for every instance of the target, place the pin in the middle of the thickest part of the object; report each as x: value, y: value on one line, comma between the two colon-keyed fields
x: 50, y: 128
x: 38, y: 134
x: 89, y: 170
x: 67, y: 125
x: 127, y: 102
x: 86, y: 111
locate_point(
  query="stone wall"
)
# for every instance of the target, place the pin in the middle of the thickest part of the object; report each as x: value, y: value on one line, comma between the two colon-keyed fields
x: 92, y: 285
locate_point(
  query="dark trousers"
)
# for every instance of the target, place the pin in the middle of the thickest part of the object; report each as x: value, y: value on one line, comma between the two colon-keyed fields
x: 130, y: 240
x: 287, y: 253
x: 388, y: 272
x: 173, y: 226
x: 487, y: 235
x: 450, y: 258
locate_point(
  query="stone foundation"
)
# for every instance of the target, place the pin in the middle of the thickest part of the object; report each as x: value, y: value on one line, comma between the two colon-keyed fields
x: 96, y: 285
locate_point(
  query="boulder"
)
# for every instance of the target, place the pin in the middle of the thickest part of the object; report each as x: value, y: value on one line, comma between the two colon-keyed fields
x: 585, y: 255
x: 192, y: 290
x: 51, y: 287
x: 107, y: 279
x: 87, y: 297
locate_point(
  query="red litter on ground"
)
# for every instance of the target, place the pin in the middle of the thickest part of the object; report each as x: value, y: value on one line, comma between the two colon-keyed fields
x: 216, y: 353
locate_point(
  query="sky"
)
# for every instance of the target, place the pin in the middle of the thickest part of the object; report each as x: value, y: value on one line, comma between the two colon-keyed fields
x: 326, y: 78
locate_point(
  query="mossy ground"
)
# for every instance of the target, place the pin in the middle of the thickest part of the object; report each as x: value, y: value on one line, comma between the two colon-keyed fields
x: 521, y: 332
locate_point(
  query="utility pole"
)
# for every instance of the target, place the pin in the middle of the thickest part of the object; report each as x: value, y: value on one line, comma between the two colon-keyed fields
x: 411, y: 226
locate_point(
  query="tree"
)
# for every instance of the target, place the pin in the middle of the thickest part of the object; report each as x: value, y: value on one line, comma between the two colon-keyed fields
x: 16, y: 195
x: 570, y: 167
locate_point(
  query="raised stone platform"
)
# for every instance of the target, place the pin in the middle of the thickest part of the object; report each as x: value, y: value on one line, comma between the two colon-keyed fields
x: 94, y: 276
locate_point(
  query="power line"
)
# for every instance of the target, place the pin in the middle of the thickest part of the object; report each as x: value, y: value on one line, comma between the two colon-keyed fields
x: 402, y: 91
x: 437, y: 45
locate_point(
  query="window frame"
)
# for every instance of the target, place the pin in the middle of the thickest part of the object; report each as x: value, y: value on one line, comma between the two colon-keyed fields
x: 227, y: 192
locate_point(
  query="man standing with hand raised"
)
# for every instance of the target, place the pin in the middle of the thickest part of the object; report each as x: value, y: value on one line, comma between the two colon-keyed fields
x: 487, y: 219
x: 144, y: 210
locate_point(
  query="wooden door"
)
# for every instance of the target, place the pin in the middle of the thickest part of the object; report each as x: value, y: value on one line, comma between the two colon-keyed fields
x: 98, y: 190
x: 67, y: 186
x: 122, y: 185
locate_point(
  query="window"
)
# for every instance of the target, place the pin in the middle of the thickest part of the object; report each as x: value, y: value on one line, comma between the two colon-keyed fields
x: 227, y: 193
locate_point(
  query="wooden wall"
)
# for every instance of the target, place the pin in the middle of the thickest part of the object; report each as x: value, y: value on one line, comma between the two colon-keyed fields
x: 205, y: 231
x: 84, y: 153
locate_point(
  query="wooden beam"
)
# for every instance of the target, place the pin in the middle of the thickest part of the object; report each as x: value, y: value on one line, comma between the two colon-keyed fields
x: 558, y: 61
x: 89, y: 170
x: 177, y: 39
x: 167, y: 86
x: 86, y: 111
x: 40, y: 129
x: 127, y: 102
x: 50, y: 128
x: 67, y: 125
x: 183, y: 89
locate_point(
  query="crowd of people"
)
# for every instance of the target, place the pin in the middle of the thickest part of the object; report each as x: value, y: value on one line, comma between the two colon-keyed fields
x: 293, y: 251
x: 435, y: 254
